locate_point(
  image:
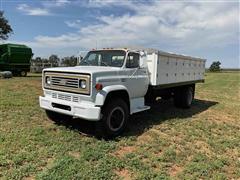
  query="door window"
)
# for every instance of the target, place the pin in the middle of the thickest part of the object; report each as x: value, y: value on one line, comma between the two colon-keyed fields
x: 132, y: 60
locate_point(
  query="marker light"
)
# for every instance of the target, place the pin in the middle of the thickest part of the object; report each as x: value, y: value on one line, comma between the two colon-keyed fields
x: 99, y: 86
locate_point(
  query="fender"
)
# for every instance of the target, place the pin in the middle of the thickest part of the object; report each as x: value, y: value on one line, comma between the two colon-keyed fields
x: 101, y: 96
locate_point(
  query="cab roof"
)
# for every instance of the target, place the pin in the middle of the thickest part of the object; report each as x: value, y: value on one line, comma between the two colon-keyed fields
x: 152, y: 51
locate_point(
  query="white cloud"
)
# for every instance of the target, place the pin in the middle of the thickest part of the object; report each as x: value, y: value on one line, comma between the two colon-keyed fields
x: 55, y: 3
x: 33, y: 11
x: 45, y: 11
x: 62, y: 2
x: 74, y: 24
x: 105, y: 3
x: 176, y: 26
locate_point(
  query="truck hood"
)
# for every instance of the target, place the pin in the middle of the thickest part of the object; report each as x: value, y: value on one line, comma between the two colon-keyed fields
x: 84, y: 69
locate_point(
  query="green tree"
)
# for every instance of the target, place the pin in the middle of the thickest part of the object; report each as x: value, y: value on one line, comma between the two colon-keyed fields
x: 5, y: 28
x: 69, y: 61
x: 38, y: 59
x: 53, y: 59
x: 215, y: 66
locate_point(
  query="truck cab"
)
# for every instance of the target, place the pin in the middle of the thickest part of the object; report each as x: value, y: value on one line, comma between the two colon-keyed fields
x: 108, y: 86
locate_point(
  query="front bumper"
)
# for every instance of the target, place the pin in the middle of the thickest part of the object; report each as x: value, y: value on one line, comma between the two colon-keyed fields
x: 85, y: 111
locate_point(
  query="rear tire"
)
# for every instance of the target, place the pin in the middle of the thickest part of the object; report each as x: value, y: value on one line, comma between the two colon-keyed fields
x: 184, y: 96
x: 23, y: 73
x: 57, y: 117
x: 114, y: 120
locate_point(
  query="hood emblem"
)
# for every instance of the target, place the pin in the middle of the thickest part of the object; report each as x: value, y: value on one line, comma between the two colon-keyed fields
x: 63, y: 82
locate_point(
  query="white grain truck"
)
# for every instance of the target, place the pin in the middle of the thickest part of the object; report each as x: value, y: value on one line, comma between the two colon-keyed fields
x: 111, y: 84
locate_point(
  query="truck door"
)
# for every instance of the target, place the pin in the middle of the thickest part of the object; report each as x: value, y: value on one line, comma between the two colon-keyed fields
x: 137, y: 81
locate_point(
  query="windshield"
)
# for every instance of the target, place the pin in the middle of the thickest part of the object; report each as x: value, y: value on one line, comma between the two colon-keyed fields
x: 113, y: 58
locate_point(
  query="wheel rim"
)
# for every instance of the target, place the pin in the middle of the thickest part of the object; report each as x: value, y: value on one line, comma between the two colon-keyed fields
x: 190, y: 97
x: 23, y: 73
x: 116, y: 119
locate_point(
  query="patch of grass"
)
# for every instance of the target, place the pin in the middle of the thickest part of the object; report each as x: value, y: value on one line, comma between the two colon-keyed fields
x: 163, y: 143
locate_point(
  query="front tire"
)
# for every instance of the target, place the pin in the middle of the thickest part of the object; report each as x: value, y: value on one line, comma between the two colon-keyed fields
x: 114, y: 120
x: 57, y: 117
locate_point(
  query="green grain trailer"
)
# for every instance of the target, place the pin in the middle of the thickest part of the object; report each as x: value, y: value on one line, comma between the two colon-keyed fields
x: 15, y: 58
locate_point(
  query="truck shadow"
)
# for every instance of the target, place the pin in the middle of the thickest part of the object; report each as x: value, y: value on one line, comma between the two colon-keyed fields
x: 163, y: 111
x: 160, y: 112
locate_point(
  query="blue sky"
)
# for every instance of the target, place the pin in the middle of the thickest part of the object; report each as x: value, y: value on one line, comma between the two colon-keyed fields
x: 208, y: 29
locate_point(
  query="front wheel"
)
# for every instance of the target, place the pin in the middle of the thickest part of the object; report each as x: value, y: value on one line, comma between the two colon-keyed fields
x: 114, y: 120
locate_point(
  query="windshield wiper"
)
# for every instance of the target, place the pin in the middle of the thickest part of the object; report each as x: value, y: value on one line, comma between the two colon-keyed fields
x: 86, y: 62
x: 105, y: 63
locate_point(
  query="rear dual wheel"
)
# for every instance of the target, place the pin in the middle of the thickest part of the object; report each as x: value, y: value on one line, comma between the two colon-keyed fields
x: 184, y: 96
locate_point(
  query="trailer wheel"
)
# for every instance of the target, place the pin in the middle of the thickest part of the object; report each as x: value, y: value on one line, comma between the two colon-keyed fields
x: 183, y: 97
x: 114, y: 120
x: 23, y: 73
x: 57, y: 117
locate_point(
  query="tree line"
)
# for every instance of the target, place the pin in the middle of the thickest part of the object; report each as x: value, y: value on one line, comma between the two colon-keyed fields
x: 55, y: 61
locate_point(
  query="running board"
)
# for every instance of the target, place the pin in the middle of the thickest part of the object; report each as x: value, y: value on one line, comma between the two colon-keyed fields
x: 139, y: 109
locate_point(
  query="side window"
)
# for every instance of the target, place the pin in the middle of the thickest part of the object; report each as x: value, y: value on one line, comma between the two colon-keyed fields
x: 132, y: 60
x: 117, y: 61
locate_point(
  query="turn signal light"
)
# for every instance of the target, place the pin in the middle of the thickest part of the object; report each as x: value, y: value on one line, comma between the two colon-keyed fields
x: 99, y: 86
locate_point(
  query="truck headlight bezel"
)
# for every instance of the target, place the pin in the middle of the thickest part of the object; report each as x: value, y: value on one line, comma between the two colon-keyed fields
x: 48, y: 80
x: 60, y: 81
x: 82, y: 84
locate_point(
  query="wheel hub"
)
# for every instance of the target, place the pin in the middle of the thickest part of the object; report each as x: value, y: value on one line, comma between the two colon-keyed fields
x: 116, y: 119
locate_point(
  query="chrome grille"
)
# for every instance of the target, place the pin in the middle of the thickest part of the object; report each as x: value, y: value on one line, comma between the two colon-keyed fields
x: 75, y: 99
x: 54, y: 95
x: 66, y: 82
x: 65, y: 97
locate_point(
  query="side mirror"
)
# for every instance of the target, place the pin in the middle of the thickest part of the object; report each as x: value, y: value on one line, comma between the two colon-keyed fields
x: 142, y: 53
x: 143, y: 60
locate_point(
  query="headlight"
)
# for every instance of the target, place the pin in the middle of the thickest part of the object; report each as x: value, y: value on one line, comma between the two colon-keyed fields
x: 48, y: 80
x: 83, y: 84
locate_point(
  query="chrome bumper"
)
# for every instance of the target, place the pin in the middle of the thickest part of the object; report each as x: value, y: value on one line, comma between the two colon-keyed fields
x: 85, y: 111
